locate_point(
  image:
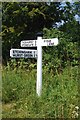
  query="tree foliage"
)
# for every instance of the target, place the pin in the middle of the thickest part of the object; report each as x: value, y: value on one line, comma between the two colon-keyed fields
x: 62, y: 55
x: 23, y: 20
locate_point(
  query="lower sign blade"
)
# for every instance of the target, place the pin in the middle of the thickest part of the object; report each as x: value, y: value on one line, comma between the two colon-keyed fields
x: 23, y: 53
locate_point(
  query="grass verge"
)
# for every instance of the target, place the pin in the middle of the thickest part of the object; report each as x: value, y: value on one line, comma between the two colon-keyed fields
x: 59, y: 97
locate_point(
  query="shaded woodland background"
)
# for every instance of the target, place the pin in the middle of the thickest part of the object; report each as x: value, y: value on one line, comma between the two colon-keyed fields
x: 22, y: 21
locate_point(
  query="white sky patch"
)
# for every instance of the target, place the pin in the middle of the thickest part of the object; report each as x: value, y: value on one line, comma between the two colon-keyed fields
x: 77, y: 18
x: 60, y: 23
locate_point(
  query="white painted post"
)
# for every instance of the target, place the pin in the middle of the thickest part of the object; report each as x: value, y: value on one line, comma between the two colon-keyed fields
x: 39, y: 67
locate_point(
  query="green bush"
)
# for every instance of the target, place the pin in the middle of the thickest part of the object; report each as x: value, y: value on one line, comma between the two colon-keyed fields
x: 64, y: 54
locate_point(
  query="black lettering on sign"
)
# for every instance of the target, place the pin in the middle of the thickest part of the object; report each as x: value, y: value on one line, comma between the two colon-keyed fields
x: 20, y: 51
x: 52, y: 43
x: 18, y: 55
x: 30, y: 52
x: 14, y: 55
x: 15, y: 51
x: 25, y: 55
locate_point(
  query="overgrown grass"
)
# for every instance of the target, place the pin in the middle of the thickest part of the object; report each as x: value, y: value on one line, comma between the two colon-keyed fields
x: 59, y: 97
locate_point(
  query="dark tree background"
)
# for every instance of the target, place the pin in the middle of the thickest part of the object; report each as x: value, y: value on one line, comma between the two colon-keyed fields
x: 21, y: 20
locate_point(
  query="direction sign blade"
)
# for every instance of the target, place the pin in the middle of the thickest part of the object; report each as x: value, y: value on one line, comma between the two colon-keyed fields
x: 49, y: 42
x: 23, y: 53
x: 29, y: 43
x: 44, y: 42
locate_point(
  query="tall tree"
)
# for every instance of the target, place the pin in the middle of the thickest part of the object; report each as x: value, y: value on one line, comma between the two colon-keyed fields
x: 72, y: 27
x: 23, y: 20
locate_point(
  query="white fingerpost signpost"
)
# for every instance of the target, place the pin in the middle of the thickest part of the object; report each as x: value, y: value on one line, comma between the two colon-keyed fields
x: 29, y: 53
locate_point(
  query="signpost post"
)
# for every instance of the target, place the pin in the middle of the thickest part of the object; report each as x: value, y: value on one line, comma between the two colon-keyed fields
x: 28, y: 53
x: 39, y: 67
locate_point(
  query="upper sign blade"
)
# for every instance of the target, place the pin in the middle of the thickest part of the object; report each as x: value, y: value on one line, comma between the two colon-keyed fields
x: 29, y: 43
x: 49, y: 42
x: 44, y: 42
